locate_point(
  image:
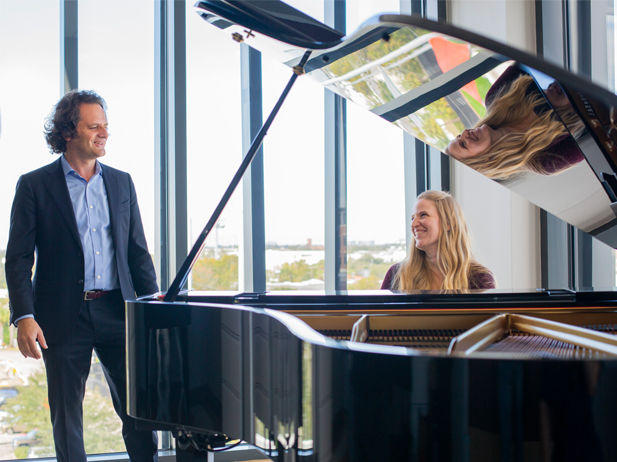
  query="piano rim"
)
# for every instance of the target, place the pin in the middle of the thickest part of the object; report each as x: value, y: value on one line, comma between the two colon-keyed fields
x: 304, y: 332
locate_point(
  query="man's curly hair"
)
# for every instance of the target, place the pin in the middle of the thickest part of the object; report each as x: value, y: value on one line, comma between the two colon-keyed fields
x: 63, y: 120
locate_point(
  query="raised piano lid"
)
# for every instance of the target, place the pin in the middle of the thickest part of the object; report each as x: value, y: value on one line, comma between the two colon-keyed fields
x: 431, y: 80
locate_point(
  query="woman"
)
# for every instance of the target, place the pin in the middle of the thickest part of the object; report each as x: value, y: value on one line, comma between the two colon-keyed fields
x: 520, y: 131
x: 440, y: 256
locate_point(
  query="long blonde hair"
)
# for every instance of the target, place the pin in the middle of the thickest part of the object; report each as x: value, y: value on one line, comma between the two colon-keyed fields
x: 454, y: 256
x: 518, y: 152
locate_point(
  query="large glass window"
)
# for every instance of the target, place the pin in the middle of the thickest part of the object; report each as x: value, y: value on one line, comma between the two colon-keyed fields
x: 294, y: 175
x: 214, y: 149
x: 376, y: 219
x: 294, y: 182
x: 359, y: 11
x: 313, y: 8
x: 29, y: 86
x: 116, y: 59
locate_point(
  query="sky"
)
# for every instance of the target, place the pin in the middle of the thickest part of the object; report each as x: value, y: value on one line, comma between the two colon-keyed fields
x: 116, y: 59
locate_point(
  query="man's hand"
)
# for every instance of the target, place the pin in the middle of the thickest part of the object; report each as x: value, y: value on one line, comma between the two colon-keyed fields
x: 28, y: 332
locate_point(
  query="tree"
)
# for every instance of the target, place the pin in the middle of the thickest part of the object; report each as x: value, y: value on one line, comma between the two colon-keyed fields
x: 5, y: 316
x: 212, y: 274
x: 2, y: 273
x: 373, y: 269
x: 368, y: 283
x: 30, y: 409
x: 21, y: 452
x: 102, y: 426
x: 300, y: 270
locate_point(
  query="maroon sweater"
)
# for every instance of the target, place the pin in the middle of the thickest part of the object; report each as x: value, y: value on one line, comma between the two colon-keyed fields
x: 477, y: 281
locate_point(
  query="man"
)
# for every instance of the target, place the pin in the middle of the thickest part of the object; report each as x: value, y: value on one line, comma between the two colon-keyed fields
x: 82, y: 220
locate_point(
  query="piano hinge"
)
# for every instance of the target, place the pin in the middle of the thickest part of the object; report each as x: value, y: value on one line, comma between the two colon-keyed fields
x: 609, y: 182
x: 298, y: 70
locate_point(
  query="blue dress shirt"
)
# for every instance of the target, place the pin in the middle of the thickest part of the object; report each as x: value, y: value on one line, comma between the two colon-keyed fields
x: 91, y: 209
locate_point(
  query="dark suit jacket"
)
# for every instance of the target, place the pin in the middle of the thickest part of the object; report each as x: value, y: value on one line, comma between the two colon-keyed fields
x: 43, y: 222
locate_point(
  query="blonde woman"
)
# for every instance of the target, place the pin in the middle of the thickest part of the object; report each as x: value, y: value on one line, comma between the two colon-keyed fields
x: 520, y: 131
x: 440, y: 255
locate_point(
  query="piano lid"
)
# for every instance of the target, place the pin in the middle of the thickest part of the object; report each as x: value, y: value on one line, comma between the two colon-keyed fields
x: 455, y: 91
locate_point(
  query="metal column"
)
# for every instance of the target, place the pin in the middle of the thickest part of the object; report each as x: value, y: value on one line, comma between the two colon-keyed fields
x: 335, y: 119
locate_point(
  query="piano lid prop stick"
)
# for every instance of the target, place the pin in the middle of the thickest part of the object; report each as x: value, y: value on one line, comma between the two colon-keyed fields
x: 190, y: 260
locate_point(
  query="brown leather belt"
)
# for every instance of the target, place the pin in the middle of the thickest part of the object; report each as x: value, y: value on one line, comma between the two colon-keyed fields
x: 94, y: 294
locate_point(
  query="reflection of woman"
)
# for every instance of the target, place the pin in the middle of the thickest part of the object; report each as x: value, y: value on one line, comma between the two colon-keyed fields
x: 520, y: 132
x: 440, y: 255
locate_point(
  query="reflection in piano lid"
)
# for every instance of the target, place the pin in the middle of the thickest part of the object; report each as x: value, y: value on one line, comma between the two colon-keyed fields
x: 365, y: 376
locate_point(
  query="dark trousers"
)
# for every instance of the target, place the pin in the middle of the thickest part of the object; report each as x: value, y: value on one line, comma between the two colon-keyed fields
x: 100, y: 327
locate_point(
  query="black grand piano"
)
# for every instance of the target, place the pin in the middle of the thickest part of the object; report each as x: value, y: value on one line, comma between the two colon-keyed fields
x: 367, y: 376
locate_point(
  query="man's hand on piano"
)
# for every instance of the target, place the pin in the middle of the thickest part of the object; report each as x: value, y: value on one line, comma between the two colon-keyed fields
x: 28, y: 332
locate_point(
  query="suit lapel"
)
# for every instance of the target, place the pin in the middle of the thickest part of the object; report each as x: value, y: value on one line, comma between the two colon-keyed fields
x: 55, y: 182
x: 113, y: 198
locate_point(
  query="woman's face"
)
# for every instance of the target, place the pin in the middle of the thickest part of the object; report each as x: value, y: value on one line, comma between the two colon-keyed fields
x: 472, y: 142
x: 425, y: 225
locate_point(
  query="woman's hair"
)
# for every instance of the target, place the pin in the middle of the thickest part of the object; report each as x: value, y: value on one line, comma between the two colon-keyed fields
x: 63, y: 120
x: 517, y: 152
x: 454, y: 256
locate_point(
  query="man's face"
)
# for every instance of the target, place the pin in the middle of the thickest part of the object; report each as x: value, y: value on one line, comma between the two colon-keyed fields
x: 89, y: 143
x: 556, y: 96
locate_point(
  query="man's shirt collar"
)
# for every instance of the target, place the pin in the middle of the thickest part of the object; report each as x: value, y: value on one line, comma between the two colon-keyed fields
x: 68, y: 169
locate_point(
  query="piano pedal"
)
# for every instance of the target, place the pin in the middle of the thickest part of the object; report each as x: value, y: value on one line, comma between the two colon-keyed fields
x: 192, y: 446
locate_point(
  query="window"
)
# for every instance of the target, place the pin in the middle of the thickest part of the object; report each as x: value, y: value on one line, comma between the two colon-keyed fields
x: 116, y: 59
x: 376, y: 221
x: 29, y: 86
x: 214, y: 149
x: 294, y: 182
x: 294, y: 175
